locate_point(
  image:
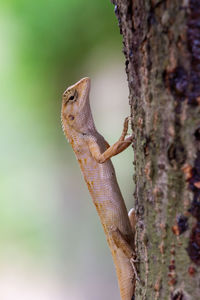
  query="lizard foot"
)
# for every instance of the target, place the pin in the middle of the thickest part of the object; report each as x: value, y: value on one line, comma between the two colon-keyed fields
x: 133, y: 261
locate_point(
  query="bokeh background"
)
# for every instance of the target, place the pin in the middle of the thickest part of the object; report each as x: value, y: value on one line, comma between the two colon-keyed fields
x: 52, y: 243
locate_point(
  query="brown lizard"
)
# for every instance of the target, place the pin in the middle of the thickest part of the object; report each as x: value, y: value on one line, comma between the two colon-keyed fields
x: 93, y: 154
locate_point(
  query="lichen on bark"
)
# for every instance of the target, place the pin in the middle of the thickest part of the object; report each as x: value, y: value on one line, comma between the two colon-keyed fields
x: 161, y: 44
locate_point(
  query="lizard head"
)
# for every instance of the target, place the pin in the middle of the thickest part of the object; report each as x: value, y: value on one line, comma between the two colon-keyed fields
x: 75, y: 105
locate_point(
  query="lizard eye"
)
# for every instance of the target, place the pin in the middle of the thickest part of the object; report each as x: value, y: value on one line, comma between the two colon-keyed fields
x: 72, y: 97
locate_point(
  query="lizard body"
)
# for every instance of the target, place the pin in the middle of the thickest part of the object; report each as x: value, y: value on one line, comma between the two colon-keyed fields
x: 93, y: 154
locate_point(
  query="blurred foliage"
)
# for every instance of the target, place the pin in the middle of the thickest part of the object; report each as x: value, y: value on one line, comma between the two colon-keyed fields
x: 44, y: 46
x: 56, y: 36
x: 46, y: 214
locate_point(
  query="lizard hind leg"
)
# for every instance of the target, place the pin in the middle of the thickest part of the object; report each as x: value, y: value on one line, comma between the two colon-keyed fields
x: 123, y: 255
x: 132, y: 219
x: 121, y: 243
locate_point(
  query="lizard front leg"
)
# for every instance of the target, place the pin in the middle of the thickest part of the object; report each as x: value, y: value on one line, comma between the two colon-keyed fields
x: 113, y: 150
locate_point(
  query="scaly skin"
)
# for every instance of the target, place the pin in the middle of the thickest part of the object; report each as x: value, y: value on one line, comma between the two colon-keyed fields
x: 93, y: 154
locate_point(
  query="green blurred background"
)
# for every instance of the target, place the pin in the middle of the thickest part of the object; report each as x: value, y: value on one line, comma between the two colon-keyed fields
x: 52, y: 243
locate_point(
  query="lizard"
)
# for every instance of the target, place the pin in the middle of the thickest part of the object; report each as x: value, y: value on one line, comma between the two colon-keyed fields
x: 93, y: 154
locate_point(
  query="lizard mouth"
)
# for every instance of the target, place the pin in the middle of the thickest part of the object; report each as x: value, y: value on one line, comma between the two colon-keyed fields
x: 85, y: 79
x: 84, y: 85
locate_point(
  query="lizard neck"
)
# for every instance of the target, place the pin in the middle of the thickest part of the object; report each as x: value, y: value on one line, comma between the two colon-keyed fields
x: 73, y: 134
x: 86, y: 122
x: 88, y: 126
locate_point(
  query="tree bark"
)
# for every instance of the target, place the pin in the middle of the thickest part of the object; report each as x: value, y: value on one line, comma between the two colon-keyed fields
x: 162, y: 50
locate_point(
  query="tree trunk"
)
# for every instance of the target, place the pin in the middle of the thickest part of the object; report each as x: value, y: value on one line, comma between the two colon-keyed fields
x: 162, y: 50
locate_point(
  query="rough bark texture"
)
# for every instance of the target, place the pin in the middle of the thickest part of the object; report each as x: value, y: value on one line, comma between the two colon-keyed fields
x: 162, y: 50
